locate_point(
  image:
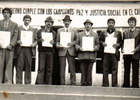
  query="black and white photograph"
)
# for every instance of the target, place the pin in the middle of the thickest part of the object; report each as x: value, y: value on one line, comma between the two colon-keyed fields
x: 69, y: 50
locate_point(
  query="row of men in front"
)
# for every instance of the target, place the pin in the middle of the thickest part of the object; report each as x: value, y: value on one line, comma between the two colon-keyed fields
x: 86, y: 58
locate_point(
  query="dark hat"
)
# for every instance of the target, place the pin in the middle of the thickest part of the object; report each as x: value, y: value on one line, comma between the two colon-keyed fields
x: 8, y: 9
x: 49, y: 19
x: 88, y: 21
x: 67, y: 17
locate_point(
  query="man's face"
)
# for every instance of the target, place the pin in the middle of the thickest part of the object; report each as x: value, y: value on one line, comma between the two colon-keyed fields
x: 88, y: 26
x: 111, y: 24
x: 67, y: 23
x: 132, y: 23
x: 48, y: 24
x: 27, y: 21
x: 6, y: 14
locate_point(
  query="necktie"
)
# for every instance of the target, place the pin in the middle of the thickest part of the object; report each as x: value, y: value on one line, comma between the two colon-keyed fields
x: 67, y: 30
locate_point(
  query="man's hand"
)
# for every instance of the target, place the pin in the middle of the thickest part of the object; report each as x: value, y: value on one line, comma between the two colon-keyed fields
x: 52, y: 42
x: 33, y: 45
x: 134, y: 51
x: 19, y: 42
x: 122, y: 51
x: 60, y: 46
x: 116, y: 45
x: 42, y: 40
x: 80, y: 49
x: 9, y: 47
x: 70, y: 44
x: 104, y: 44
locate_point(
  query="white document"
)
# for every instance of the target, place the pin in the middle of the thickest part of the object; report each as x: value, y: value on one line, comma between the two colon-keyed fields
x: 5, y: 38
x: 26, y: 38
x: 87, y: 43
x: 109, y: 48
x: 65, y: 38
x: 47, y: 37
x: 129, y: 45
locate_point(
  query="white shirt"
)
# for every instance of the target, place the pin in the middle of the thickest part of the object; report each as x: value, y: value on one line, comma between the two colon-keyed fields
x: 26, y: 27
x: 110, y: 35
x: 66, y: 29
x: 87, y: 33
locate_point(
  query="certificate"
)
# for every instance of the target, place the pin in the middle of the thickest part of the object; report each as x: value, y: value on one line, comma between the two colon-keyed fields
x: 65, y: 38
x: 87, y: 43
x: 109, y: 48
x: 47, y: 37
x: 128, y: 46
x: 5, y: 38
x: 26, y: 38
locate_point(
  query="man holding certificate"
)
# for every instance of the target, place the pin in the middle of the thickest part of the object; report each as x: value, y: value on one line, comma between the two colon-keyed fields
x: 46, y: 43
x: 8, y: 39
x: 131, y: 53
x: 66, y: 49
x: 87, y: 45
x: 111, y: 39
x: 26, y: 49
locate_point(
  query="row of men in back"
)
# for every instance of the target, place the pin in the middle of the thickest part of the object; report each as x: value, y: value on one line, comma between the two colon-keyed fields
x: 86, y: 58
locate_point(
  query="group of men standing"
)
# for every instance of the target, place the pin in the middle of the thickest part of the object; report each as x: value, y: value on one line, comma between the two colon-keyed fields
x: 75, y: 47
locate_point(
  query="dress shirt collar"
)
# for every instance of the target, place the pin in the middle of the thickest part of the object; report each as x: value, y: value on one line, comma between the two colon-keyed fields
x: 67, y: 29
x: 132, y: 29
x: 87, y: 32
x: 26, y: 27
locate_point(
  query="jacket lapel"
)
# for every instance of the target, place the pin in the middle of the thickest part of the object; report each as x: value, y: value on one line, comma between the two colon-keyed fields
x: 10, y: 24
x: 135, y: 33
x: 115, y: 34
x: 2, y: 24
x: 105, y: 33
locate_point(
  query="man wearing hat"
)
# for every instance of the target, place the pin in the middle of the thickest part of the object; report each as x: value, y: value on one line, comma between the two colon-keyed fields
x: 46, y: 54
x: 25, y: 54
x: 87, y: 58
x: 6, y: 54
x: 68, y: 53
x: 110, y: 59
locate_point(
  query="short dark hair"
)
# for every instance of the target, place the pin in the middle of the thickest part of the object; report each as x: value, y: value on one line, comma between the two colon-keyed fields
x: 8, y: 9
x: 110, y: 19
x: 27, y: 16
x: 132, y: 18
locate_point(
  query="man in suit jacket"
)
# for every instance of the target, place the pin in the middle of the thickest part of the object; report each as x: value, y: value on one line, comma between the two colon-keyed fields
x: 108, y: 57
x: 24, y: 54
x: 132, y: 33
x: 6, y: 54
x: 46, y: 54
x: 68, y: 53
x: 87, y: 58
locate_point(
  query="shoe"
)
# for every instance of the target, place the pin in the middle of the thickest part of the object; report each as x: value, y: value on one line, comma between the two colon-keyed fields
x: 62, y: 83
x: 72, y: 83
x: 105, y: 86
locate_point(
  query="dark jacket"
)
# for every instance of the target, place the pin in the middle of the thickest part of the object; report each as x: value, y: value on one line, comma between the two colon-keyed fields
x: 136, y: 36
x: 119, y: 40
x: 45, y: 49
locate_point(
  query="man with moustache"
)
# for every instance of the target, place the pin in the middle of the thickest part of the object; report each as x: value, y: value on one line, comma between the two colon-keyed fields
x: 68, y: 53
x: 6, y: 54
x: 25, y: 54
x: 87, y: 58
x: 111, y: 59
x: 46, y: 54
x: 132, y: 33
